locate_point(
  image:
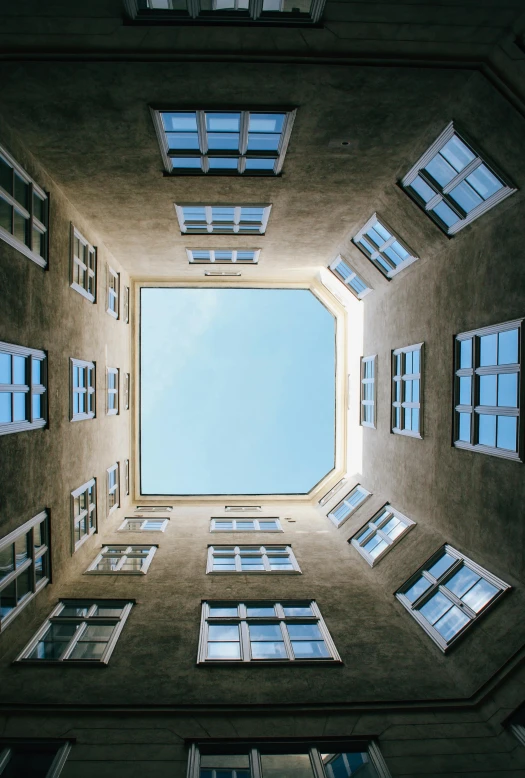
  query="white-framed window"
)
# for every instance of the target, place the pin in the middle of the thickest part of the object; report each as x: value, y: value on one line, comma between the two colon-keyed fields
x: 328, y: 496
x: 143, y: 525
x: 242, y: 508
x: 344, y: 509
x: 251, y: 559
x: 122, y: 560
x: 453, y: 183
x: 126, y: 305
x: 113, y: 479
x: 223, y: 256
x: 79, y: 631
x: 127, y: 386
x: 448, y: 594
x: 24, y: 566
x: 383, y: 247
x: 83, y: 389
x: 229, y: 142
x: 278, y: 13
x: 197, y: 219
x: 33, y: 757
x: 347, y: 275
x: 407, y: 385
x: 245, y: 525
x: 126, y: 476
x: 264, y: 631
x: 24, y: 211
x: 113, y: 298
x: 488, y: 390
x: 23, y: 388
x: 112, y: 391
x: 368, y: 391
x: 383, y: 531
x: 153, y: 508
x: 83, y: 513
x: 83, y: 266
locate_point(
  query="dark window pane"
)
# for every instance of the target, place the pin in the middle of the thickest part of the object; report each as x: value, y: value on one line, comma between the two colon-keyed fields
x: 31, y: 764
x: 6, y: 176
x: 6, y: 215
x: 6, y: 561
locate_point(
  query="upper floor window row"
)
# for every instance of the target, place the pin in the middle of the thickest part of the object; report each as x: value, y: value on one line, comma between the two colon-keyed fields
x: 223, y: 142
x: 83, y: 266
x: 23, y: 211
x: 23, y: 386
x: 223, y: 256
x: 383, y: 247
x: 272, y: 12
x: 453, y: 183
x: 342, y: 270
x: 348, y: 505
x: 223, y: 219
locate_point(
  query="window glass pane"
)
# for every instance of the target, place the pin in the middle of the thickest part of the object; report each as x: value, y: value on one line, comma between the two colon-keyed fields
x: 19, y: 370
x: 465, y: 353
x: 310, y: 649
x: 54, y: 641
x: 375, y: 237
x: 20, y: 411
x: 465, y: 197
x: 75, y: 610
x: 375, y: 546
x: 182, y: 140
x: 245, y: 525
x: 434, y: 608
x: 451, y: 623
x: 508, y: 347
x: 20, y: 224
x: 5, y: 368
x: 487, y: 350
x: 507, y: 428
x: 440, y: 170
x: 260, y: 164
x: 267, y: 525
x: 223, y: 611
x: 231, y: 762
x: 21, y: 551
x: 457, y: 153
x: 180, y: 121
x: 508, y: 390
x: 260, y: 610
x: 6, y: 176
x: 21, y: 191
x: 304, y: 632
x: 85, y: 650
x: 484, y: 182
x: 38, y: 207
x: 5, y: 407
x: 442, y: 565
x: 268, y: 650
x: 464, y: 427
x: 37, y: 372
x: 186, y: 162
x: 263, y: 632
x: 446, y: 214
x: 487, y: 390
x: 462, y: 581
x: 223, y: 525
x: 7, y: 599
x: 303, y: 610
x: 6, y: 561
x: 6, y: 215
x: 108, y: 612
x: 480, y: 594
x: 223, y: 163
x: 487, y: 429
x: 465, y: 390
x: 224, y: 651
x: 289, y: 765
x: 394, y: 527
x: 417, y: 589
x: 223, y: 632
x: 41, y: 568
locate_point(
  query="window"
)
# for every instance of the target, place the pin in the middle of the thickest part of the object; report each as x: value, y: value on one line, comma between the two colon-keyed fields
x: 223, y: 219
x: 126, y: 476
x: 245, y: 525
x: 124, y: 560
x: 383, y: 247
x: 448, y: 594
x: 273, y: 12
x: 113, y: 488
x: 83, y: 385
x: 487, y: 390
x: 83, y: 512
x: 516, y: 724
x: 143, y: 525
x: 251, y: 559
x: 346, y: 507
x: 24, y: 210
x: 453, y: 184
x: 368, y: 391
x: 83, y: 266
x: 24, y: 567
x: 264, y: 631
x: 127, y: 384
x: 113, y: 293
x: 381, y: 533
x: 23, y: 380
x: 126, y: 304
x: 328, y: 496
x: 223, y: 256
x: 407, y: 369
x: 153, y: 508
x: 33, y: 759
x: 112, y: 375
x: 79, y: 631
x: 342, y: 270
x: 242, y: 508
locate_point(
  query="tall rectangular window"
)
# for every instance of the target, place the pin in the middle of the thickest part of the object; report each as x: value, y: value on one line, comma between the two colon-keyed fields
x: 24, y: 566
x: 383, y: 247
x: 264, y: 631
x: 278, y: 13
x: 112, y: 390
x: 348, y: 505
x: 453, y: 184
x: 127, y: 385
x: 113, y: 478
x: 23, y: 211
x: 122, y: 560
x: 488, y: 390
x: 223, y: 256
x: 381, y: 533
x: 83, y: 388
x: 23, y: 388
x: 342, y: 270
x: 113, y: 297
x: 245, y: 525
x: 368, y: 391
x: 83, y: 266
x: 83, y: 513
x: 407, y: 369
x: 195, y: 219
x: 37, y: 758
x: 251, y: 559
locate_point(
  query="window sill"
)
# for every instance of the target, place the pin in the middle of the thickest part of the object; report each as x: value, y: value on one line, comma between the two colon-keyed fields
x: 22, y: 248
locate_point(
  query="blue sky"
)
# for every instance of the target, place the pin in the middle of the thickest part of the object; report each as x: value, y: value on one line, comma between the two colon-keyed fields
x: 237, y: 391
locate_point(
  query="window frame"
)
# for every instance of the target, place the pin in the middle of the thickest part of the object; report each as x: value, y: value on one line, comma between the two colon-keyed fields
x: 90, y: 270
x: 379, y: 251
x: 113, y: 294
x: 127, y: 388
x: 256, y: 524
x: 126, y: 477
x: 115, y: 488
x: 364, y: 381
x: 475, y: 372
x: 33, y: 555
x: 91, y: 523
x: 33, y: 223
x: 340, y: 260
x: 62, y: 751
x: 328, y: 496
x: 126, y: 304
x: 90, y: 389
x: 402, y: 404
x: 104, y: 552
x: 194, y: 15
x: 377, y: 530
x: 30, y: 389
x: 438, y: 585
x: 214, y: 261
x: 211, y: 230
x: 441, y: 192
x: 114, y: 391
x: 123, y: 526
x: 352, y: 508
x: 263, y: 550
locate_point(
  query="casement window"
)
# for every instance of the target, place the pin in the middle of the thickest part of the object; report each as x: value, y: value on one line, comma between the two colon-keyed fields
x: 83, y: 266
x: 453, y: 184
x: 113, y: 298
x: 348, y: 505
x: 143, y: 525
x: 254, y: 631
x: 223, y: 256
x: 126, y: 304
x: 383, y: 247
x: 37, y: 758
x: 516, y: 724
x: 127, y: 385
x: 23, y: 388
x: 448, y: 594
x: 24, y: 211
x: 126, y: 476
x: 113, y: 478
x: 312, y: 758
x: 328, y: 496
x: 381, y: 533
x: 122, y: 560
x: 199, y: 219
x: 407, y: 370
x: 368, y: 391
x: 112, y: 379
x: 79, y: 631
x: 24, y: 567
x: 242, y: 508
x: 342, y: 270
x: 83, y: 389
x: 245, y: 525
x: 153, y: 508
x: 251, y: 559
x: 278, y: 13
x: 83, y: 513
x: 488, y: 390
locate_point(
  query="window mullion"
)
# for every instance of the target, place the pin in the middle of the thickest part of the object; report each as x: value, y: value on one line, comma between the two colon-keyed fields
x: 73, y: 641
x: 287, y: 641
x: 245, y: 640
x: 462, y: 175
